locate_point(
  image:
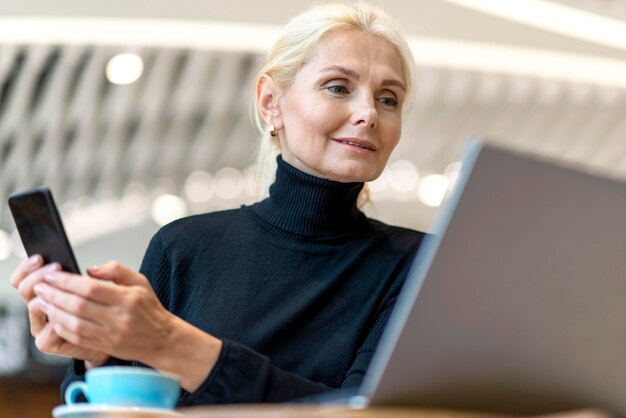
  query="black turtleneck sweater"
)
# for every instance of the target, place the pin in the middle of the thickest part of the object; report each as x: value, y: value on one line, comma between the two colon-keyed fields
x: 298, y: 287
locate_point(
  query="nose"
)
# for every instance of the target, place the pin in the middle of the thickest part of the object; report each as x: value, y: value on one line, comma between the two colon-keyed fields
x: 365, y: 114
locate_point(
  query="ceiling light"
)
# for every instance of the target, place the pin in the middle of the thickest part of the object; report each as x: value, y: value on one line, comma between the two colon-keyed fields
x: 518, y: 61
x: 124, y: 68
x: 154, y: 33
x: 251, y: 37
x: 554, y: 17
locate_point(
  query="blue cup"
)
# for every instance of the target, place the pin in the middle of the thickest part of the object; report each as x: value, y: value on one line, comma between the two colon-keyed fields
x: 126, y: 386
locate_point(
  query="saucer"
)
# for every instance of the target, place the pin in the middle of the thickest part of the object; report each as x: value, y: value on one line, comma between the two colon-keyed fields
x: 85, y: 410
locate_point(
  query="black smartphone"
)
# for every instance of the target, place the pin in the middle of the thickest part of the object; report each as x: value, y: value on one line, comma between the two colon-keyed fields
x: 41, y: 229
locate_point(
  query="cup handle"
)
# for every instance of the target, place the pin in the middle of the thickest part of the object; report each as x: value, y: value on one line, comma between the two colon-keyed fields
x: 73, y: 390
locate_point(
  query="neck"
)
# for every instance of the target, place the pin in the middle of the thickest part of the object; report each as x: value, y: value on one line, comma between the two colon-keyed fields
x: 303, y: 204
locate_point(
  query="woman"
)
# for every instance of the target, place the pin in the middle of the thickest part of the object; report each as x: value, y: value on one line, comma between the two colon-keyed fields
x: 284, y: 298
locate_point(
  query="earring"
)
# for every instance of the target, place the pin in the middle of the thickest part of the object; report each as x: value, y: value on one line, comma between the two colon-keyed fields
x: 273, y: 131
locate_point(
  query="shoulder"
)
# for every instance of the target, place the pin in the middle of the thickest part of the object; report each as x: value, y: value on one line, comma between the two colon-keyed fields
x: 212, y: 220
x: 396, y: 235
x: 192, y: 228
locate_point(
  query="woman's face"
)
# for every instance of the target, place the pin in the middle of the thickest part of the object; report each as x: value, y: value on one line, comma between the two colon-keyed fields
x: 342, y: 116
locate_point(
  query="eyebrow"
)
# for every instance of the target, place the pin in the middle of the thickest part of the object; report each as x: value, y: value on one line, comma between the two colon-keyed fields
x: 355, y: 75
x: 393, y: 82
x: 346, y: 71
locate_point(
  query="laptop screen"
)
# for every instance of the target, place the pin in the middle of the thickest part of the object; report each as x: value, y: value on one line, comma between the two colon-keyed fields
x: 517, y: 302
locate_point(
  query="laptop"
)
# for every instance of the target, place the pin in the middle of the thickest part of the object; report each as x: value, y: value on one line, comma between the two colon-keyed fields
x: 517, y: 302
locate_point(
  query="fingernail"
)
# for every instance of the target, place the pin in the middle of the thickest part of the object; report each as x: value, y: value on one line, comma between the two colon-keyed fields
x: 43, y: 303
x: 33, y: 260
x: 53, y: 267
x: 51, y: 277
x: 38, y: 288
x: 93, y: 268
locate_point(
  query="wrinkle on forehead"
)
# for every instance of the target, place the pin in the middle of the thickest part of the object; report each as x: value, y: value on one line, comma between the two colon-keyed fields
x: 378, y: 51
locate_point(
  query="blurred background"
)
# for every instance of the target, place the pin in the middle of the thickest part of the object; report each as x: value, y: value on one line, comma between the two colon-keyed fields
x: 135, y: 113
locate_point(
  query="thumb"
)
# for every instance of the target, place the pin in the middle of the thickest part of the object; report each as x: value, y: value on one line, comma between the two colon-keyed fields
x: 118, y: 273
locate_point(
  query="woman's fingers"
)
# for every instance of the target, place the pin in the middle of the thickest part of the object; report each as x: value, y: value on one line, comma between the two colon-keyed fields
x: 26, y: 266
x: 74, y: 329
x: 91, y: 313
x: 54, y: 300
x: 120, y: 274
x: 98, y: 291
x: 36, y: 316
x: 46, y: 340
x: 26, y: 285
x: 125, y: 320
x: 29, y: 272
x: 49, y: 341
x: 74, y: 333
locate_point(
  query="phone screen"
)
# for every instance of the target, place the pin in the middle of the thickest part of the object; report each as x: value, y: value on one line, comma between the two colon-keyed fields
x: 41, y: 229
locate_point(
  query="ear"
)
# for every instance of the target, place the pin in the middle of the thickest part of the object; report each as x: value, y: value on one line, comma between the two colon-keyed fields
x: 267, y: 94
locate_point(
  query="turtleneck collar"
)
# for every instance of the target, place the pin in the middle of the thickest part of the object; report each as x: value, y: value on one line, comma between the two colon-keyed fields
x: 311, y: 206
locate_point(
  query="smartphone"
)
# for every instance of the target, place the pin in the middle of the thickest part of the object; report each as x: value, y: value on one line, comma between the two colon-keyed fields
x: 41, y: 229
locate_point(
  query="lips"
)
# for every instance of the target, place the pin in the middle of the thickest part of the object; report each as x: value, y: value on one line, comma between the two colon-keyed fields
x: 357, y: 142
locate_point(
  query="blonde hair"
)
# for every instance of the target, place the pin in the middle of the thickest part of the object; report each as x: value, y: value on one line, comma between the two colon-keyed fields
x: 296, y: 43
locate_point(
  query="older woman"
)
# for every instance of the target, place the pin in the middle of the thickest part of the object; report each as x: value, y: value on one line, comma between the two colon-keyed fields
x: 284, y: 298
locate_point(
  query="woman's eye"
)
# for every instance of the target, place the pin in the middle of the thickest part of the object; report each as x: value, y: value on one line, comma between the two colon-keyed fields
x: 337, y: 89
x: 389, y: 101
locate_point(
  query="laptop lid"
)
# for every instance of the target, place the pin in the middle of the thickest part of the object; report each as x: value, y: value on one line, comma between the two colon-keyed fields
x: 517, y: 303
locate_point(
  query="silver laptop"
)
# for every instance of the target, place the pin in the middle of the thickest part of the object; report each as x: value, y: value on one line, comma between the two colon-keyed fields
x: 517, y: 302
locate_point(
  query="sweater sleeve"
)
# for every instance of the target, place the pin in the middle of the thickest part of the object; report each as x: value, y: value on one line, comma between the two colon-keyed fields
x: 364, y: 355
x: 242, y: 375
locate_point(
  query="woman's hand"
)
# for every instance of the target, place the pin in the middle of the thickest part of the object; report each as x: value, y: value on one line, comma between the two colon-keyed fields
x: 121, y: 315
x: 26, y: 276
x: 28, y: 273
x: 127, y: 320
x: 48, y: 341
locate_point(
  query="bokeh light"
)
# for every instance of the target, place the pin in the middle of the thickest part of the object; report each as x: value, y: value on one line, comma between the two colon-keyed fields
x: 199, y: 187
x: 229, y: 183
x: 124, y: 68
x: 432, y: 189
x: 403, y: 176
x: 167, y: 208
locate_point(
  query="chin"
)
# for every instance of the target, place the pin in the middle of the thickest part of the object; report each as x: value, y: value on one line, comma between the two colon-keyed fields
x: 354, y: 176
